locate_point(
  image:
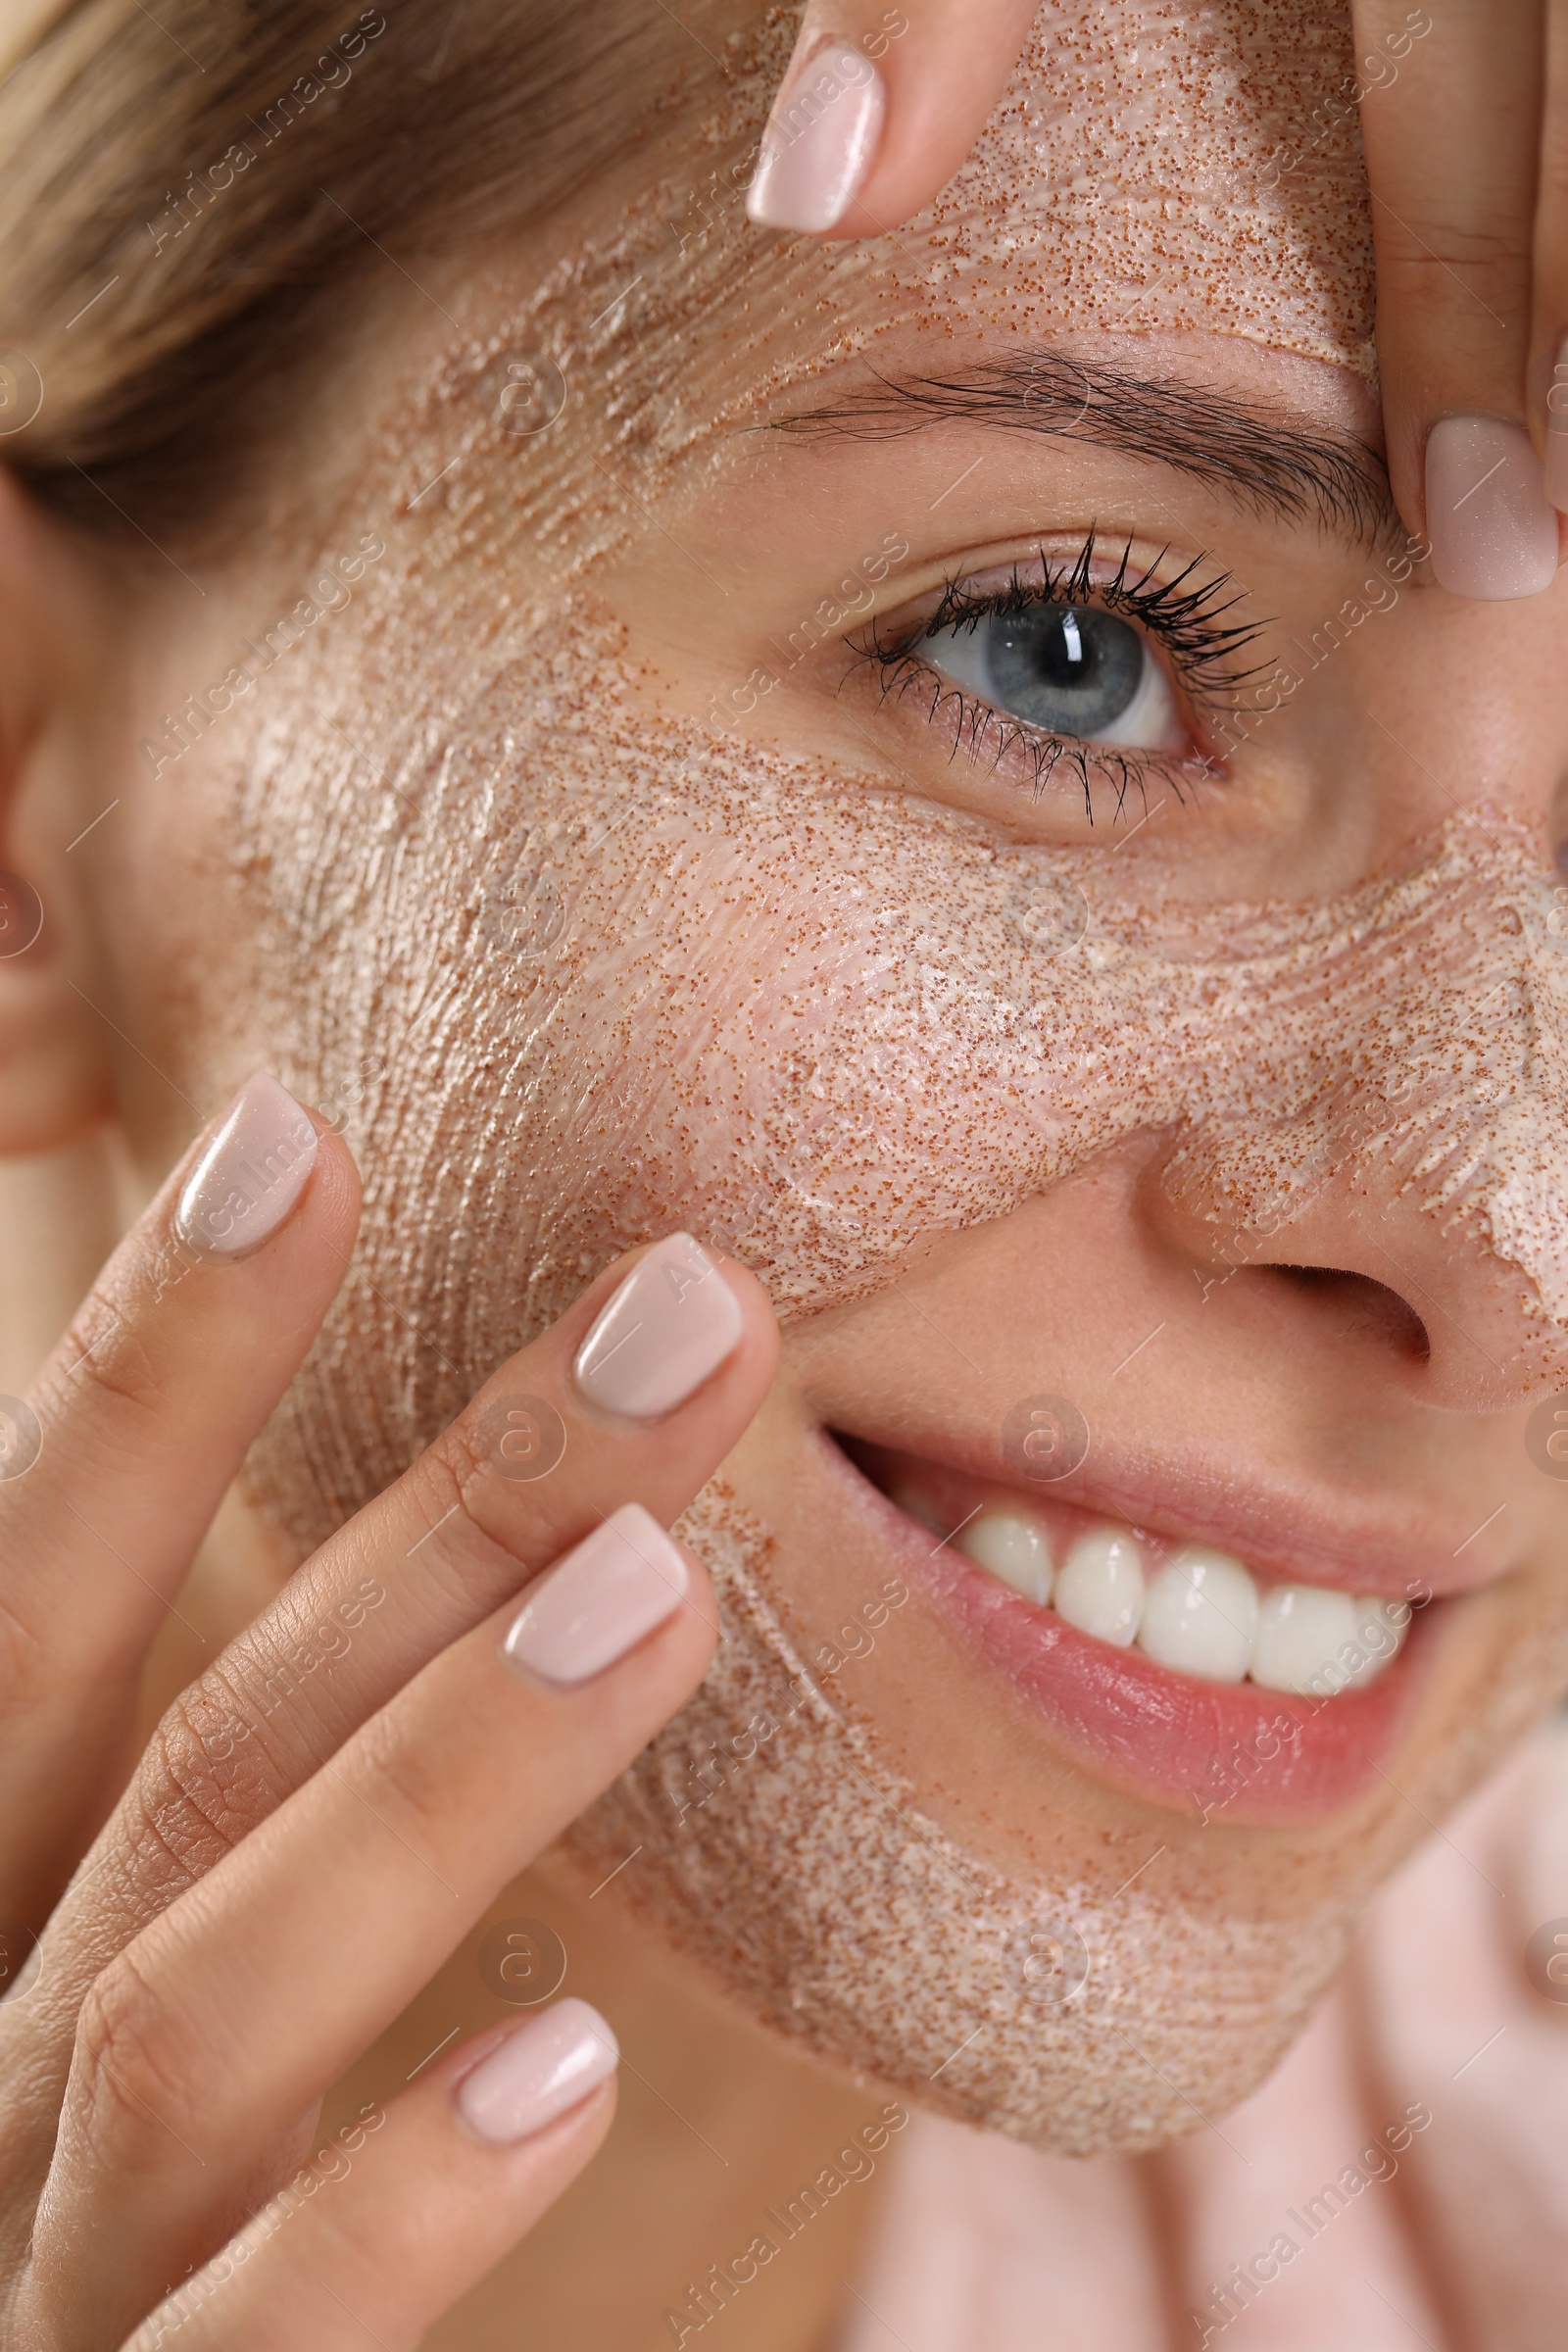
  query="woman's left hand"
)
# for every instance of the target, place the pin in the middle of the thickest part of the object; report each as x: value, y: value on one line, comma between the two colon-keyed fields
x: 1465, y: 124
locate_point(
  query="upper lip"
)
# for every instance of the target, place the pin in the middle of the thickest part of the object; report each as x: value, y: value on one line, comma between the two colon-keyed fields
x: 1274, y: 1524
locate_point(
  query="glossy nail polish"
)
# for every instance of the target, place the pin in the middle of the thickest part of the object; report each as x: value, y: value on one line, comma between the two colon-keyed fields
x: 546, y: 2067
x: 251, y: 1174
x: 1557, y: 431
x: 668, y: 1329
x: 601, y: 1600
x: 820, y: 139
x: 1494, y: 532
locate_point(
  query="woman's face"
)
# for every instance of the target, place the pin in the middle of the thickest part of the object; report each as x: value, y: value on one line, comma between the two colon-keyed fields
x: 1027, y: 859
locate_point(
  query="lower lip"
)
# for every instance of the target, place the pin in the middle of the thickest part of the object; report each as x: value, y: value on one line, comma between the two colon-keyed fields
x: 1219, y: 1751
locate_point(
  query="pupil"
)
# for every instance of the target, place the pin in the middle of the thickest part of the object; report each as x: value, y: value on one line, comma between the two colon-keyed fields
x: 1071, y: 668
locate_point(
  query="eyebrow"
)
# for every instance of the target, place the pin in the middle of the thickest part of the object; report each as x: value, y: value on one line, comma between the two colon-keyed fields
x: 1256, y: 457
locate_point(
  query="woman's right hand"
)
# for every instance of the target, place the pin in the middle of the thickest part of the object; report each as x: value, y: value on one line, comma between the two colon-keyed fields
x: 320, y: 1819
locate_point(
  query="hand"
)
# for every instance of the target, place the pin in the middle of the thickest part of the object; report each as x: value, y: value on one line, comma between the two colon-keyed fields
x: 321, y: 1817
x: 1465, y: 124
x: 1465, y: 154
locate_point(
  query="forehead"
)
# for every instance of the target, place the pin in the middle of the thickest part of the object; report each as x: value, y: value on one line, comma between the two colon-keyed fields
x: 1148, y: 168
x: 1160, y: 167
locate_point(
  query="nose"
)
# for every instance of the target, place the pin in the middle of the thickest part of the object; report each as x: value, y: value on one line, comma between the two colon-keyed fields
x: 1415, y: 1134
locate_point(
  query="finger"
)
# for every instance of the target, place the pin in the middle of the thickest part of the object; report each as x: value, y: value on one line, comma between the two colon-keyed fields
x: 878, y: 109
x: 411, y: 2205
x: 142, y: 1417
x: 1450, y: 121
x: 453, y: 1539
x: 1549, y: 352
x: 234, y: 2012
x: 459, y: 1533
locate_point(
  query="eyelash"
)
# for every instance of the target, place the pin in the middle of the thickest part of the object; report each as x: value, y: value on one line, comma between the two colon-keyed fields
x: 1186, y: 616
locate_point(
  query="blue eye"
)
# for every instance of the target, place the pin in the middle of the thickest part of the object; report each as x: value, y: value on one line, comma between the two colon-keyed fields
x: 1067, y: 669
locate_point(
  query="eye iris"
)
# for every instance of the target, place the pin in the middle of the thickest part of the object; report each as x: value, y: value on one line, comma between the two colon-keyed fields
x: 1070, y: 669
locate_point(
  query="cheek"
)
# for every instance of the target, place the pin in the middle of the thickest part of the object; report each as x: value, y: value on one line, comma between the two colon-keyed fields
x: 820, y: 1023
x: 732, y: 1026
x: 724, y: 1036
x: 612, y: 976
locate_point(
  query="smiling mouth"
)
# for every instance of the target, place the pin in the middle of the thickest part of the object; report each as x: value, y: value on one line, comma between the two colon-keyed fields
x: 1191, y: 1606
x: 1167, y: 1665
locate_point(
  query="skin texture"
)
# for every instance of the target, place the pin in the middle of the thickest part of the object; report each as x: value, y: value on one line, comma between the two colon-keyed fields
x: 1465, y: 169
x: 497, y: 862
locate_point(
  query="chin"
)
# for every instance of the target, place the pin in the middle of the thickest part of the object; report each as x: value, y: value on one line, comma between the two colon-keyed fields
x: 805, y: 1878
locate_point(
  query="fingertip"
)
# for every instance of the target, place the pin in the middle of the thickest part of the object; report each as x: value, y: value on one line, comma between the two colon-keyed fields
x: 700, y: 1600
x: 878, y: 110
x: 680, y: 1316
x: 761, y: 1337
x: 1495, y: 536
x: 262, y: 1159
x: 539, y: 2073
x: 336, y: 1192
x: 821, y: 140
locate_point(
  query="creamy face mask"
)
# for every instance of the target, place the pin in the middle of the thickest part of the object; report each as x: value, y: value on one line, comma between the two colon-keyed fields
x: 600, y: 973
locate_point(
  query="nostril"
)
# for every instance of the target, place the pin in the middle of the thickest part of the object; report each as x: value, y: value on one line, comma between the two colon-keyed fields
x: 1365, y: 1305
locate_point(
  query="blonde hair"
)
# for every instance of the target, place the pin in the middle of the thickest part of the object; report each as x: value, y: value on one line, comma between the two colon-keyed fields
x: 187, y: 198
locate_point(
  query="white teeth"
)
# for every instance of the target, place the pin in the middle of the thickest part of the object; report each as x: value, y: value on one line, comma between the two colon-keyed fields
x: 1301, y: 1630
x: 1011, y: 1548
x: 1201, y: 1615
x: 1380, y: 1628
x: 1100, y: 1589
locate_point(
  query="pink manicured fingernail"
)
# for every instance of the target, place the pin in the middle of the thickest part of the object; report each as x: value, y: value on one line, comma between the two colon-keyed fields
x: 671, y: 1323
x: 600, y: 1601
x: 251, y: 1173
x: 1557, y: 431
x: 819, y: 141
x: 1494, y: 532
x: 546, y: 2067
